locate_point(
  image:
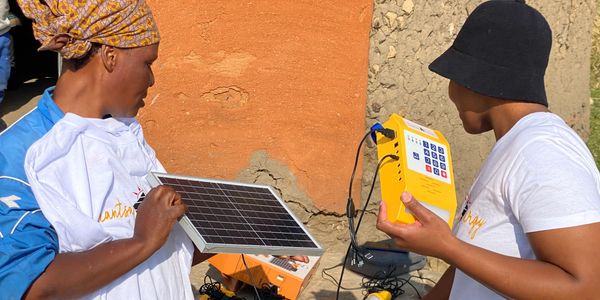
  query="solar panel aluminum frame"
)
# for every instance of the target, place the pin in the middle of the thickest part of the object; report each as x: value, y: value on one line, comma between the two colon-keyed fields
x: 206, y: 247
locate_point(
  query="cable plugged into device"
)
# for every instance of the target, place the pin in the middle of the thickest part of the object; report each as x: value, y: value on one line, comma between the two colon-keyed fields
x: 358, y: 255
x: 377, y: 127
x: 389, y: 133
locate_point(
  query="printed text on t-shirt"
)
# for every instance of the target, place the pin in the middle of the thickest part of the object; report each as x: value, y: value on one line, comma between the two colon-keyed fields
x: 474, y: 222
x: 119, y: 211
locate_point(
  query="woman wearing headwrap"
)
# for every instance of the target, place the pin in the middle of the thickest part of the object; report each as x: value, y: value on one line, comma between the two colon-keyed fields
x: 81, y: 157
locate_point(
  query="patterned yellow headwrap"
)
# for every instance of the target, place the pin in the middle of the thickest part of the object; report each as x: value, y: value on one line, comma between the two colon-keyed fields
x: 118, y: 23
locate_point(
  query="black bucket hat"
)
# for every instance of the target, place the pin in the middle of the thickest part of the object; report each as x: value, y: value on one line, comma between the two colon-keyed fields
x: 501, y: 51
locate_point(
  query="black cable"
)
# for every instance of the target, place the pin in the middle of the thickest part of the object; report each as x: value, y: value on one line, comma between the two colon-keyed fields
x: 353, y: 243
x: 250, y: 277
x: 389, y: 133
x: 417, y: 291
x: 358, y: 253
x: 269, y: 292
x: 331, y: 279
x: 384, y: 282
x: 350, y: 203
x: 392, y: 284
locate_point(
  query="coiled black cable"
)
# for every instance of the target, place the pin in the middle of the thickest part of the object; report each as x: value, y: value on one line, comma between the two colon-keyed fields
x: 213, y: 290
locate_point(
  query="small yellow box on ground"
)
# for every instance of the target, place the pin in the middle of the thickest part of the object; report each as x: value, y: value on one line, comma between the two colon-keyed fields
x: 424, y: 169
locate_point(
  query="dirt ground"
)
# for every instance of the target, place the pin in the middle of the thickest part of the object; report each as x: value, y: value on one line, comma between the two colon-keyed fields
x: 330, y: 231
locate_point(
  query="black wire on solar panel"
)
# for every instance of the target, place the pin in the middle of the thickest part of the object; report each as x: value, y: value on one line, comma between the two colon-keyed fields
x: 350, y: 205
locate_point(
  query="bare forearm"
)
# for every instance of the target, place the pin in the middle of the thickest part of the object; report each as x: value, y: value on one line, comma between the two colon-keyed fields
x: 443, y: 287
x: 72, y: 275
x: 515, y: 277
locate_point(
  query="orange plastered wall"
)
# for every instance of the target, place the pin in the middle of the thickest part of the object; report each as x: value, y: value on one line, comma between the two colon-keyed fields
x: 235, y: 77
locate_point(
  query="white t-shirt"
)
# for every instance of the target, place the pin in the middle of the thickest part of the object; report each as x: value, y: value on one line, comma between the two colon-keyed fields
x: 539, y: 176
x: 86, y: 175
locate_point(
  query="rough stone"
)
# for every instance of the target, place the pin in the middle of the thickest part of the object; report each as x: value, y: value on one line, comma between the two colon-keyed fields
x: 408, y: 6
x: 391, y: 52
x: 391, y: 19
x: 376, y: 23
x: 401, y: 23
x: 375, y: 68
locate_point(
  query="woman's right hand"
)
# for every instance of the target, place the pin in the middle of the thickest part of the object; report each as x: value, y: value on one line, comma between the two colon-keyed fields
x: 156, y: 215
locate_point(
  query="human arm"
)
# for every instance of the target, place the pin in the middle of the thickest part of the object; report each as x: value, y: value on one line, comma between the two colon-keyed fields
x: 564, y: 268
x: 94, y: 268
x: 101, y: 265
x: 442, y: 288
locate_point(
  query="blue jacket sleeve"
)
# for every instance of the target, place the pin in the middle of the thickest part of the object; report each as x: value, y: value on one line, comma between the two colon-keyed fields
x: 28, y: 243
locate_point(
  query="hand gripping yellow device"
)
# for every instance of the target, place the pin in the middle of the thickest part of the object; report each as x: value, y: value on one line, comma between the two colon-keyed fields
x: 424, y: 169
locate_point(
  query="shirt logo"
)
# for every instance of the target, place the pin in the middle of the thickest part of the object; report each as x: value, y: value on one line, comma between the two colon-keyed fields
x: 140, y: 196
x: 467, y: 217
x: 474, y: 222
x: 10, y: 201
x: 119, y: 211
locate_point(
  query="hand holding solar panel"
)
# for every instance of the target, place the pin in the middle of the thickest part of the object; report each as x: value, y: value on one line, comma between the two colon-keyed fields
x: 160, y: 210
x: 232, y: 217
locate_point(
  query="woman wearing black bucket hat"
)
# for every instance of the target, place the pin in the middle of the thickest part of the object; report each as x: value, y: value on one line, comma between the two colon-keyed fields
x: 530, y: 224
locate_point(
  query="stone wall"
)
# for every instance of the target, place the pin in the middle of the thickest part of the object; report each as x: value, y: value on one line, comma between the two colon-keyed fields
x: 407, y: 35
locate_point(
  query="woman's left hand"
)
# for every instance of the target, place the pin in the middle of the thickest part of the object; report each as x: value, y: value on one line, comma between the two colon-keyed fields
x: 429, y: 235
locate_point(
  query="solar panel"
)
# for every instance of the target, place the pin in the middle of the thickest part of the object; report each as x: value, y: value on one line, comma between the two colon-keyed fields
x: 233, y: 217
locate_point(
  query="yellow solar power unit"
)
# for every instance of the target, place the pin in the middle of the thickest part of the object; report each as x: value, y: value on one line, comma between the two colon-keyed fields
x: 424, y: 169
